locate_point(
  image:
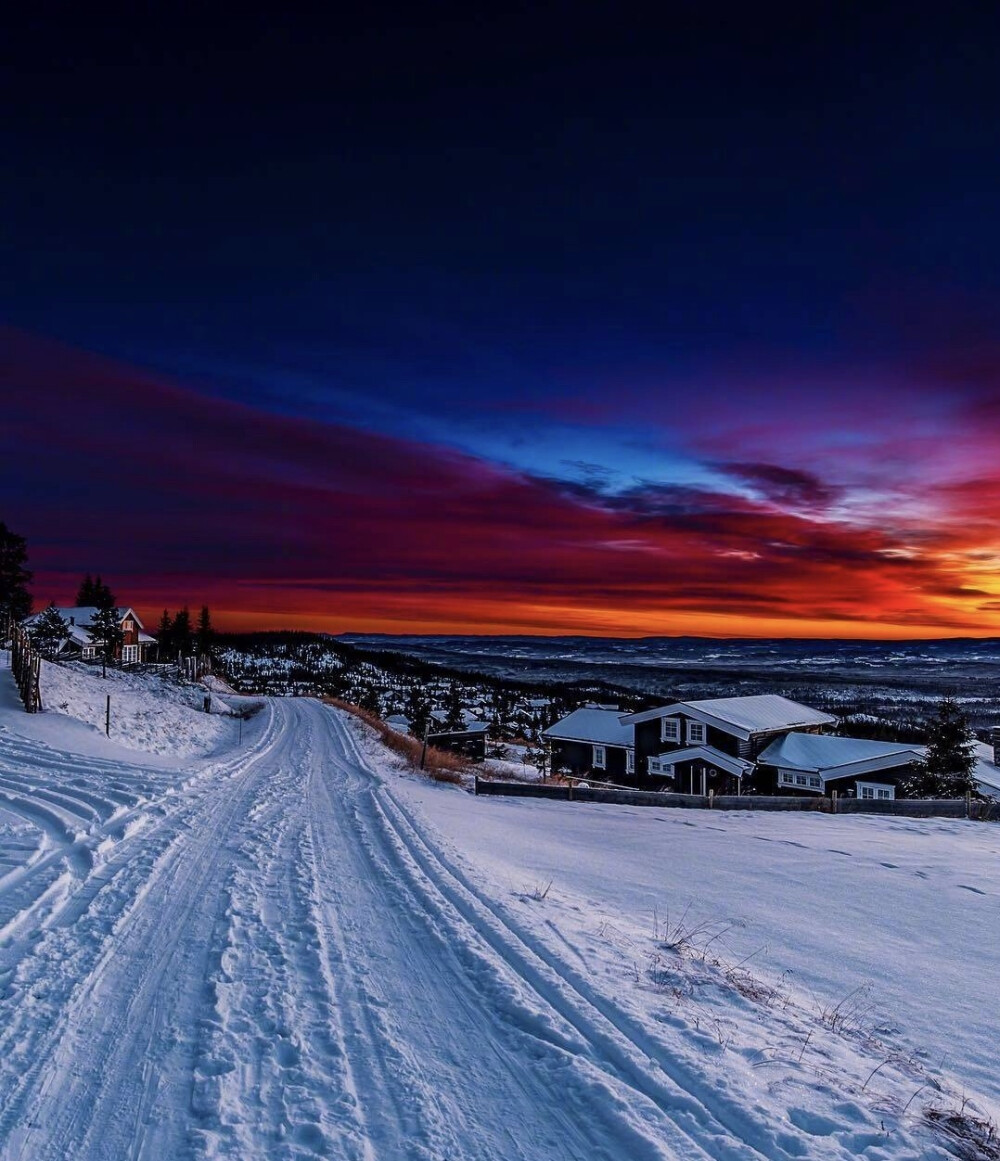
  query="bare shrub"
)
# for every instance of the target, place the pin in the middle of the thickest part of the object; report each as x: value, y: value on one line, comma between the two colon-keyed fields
x: 439, y: 765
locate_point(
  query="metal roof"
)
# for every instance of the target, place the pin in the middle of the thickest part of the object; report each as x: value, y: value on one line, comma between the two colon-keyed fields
x: 743, y: 716
x: 592, y: 725
x: 829, y: 755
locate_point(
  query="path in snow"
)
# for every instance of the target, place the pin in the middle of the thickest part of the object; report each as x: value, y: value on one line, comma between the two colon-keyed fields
x: 273, y: 961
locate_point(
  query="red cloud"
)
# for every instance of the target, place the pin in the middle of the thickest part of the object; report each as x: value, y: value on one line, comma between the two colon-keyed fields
x: 176, y: 495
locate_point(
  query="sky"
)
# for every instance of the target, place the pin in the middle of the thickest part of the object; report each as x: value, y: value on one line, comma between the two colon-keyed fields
x: 541, y: 319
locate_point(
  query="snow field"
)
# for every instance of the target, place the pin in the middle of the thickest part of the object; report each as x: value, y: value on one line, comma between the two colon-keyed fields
x: 829, y: 1010
x: 293, y: 950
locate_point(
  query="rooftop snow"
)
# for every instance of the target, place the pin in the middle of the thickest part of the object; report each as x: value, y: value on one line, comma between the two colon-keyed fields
x: 593, y: 725
x: 815, y: 752
x: 750, y: 715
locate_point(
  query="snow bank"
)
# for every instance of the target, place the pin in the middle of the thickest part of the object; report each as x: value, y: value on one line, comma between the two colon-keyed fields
x: 149, y: 711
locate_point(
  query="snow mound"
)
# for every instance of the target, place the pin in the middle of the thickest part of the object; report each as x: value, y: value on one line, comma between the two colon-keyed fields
x: 151, y: 712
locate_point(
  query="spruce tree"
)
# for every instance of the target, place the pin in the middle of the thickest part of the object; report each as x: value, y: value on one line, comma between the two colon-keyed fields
x: 181, y: 639
x: 104, y: 598
x: 85, y: 593
x: 206, y: 634
x: 106, y: 632
x: 454, y: 712
x: 49, y: 631
x: 947, y: 769
x: 15, y: 598
x: 165, y: 636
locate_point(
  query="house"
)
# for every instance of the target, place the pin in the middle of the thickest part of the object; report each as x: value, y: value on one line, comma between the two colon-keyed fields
x: 802, y: 763
x: 470, y: 740
x: 592, y: 741
x: 987, y: 770
x: 714, y: 744
x: 137, y: 645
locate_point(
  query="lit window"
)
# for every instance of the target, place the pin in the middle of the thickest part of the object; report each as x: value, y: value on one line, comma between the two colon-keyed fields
x: 696, y: 733
x: 671, y: 730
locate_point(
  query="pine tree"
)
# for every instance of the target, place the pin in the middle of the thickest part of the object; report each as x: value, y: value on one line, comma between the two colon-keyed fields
x: 85, y: 593
x: 206, y: 634
x: 181, y: 640
x: 165, y: 636
x: 104, y: 598
x: 947, y: 770
x: 49, y: 631
x: 106, y: 632
x: 15, y: 599
x: 454, y: 712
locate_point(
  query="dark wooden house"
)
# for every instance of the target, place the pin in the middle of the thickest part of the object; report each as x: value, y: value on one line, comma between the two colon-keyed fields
x: 592, y: 742
x: 800, y: 763
x: 697, y: 746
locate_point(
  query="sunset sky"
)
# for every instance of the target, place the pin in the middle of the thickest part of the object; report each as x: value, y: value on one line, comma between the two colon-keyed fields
x: 556, y: 321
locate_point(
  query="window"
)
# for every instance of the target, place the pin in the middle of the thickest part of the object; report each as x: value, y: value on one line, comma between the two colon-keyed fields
x: 876, y: 791
x: 630, y: 761
x: 800, y: 781
x: 130, y: 653
x: 670, y: 730
x: 128, y: 626
x: 600, y: 758
x: 697, y: 733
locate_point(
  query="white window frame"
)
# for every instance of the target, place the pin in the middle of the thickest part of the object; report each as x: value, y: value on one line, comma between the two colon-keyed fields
x: 876, y: 792
x: 670, y: 730
x: 128, y: 626
x: 600, y: 758
x: 630, y: 761
x: 130, y: 653
x: 697, y: 733
x: 798, y: 780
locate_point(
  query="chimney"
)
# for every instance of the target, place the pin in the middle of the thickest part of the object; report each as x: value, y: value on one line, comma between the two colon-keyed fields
x: 996, y: 745
x: 72, y: 620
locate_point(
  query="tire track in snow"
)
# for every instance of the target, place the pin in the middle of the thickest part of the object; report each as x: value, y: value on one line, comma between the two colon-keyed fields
x: 57, y: 983
x: 479, y: 1074
x: 711, y: 1121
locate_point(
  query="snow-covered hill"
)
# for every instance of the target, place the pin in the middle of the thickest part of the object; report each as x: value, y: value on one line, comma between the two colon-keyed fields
x: 293, y: 949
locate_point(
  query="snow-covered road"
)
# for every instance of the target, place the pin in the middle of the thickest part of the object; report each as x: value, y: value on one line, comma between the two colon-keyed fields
x: 271, y: 961
x: 269, y: 954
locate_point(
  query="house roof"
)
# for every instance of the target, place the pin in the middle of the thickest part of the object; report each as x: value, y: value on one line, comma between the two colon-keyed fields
x: 833, y: 757
x: 986, y: 773
x: 605, y: 727
x: 743, y: 716
x: 735, y: 766
x: 80, y: 616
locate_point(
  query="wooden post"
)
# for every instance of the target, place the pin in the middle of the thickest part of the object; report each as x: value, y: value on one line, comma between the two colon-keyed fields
x: 107, y: 717
x: 833, y: 802
x: 476, y: 791
x: 968, y: 804
x: 711, y: 799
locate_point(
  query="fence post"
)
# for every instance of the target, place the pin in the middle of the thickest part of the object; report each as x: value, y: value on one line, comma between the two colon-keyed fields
x: 107, y: 717
x: 711, y: 799
x: 968, y: 804
x: 833, y: 802
x: 476, y: 791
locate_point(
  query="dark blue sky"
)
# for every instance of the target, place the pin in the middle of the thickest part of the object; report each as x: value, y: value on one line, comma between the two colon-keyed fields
x: 605, y: 249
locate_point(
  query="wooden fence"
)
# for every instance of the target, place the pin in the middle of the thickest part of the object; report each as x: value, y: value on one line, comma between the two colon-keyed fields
x: 25, y: 664
x: 907, y: 807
